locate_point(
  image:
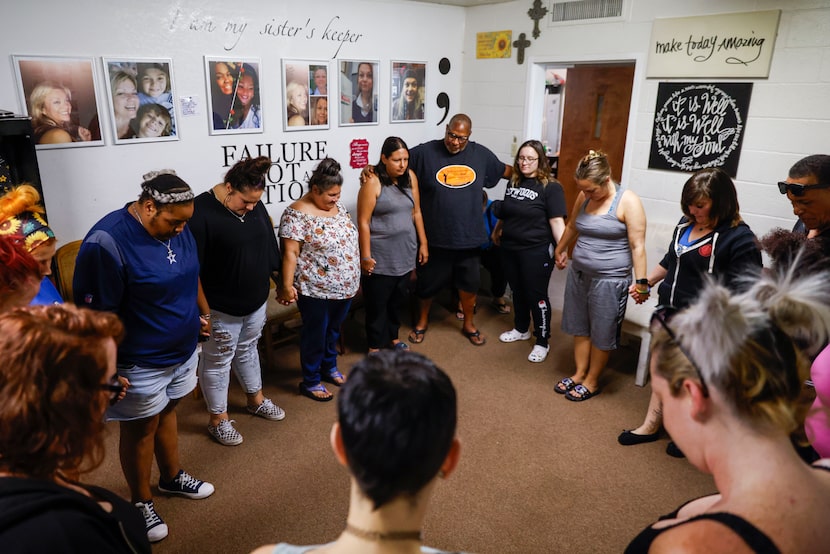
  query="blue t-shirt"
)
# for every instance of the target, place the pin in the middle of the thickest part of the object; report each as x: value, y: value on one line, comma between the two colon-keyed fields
x: 47, y: 295
x: 451, y: 187
x: 122, y: 269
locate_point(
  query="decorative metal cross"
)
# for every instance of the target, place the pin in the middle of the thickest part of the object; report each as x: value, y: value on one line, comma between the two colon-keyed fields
x: 536, y: 13
x: 520, y: 44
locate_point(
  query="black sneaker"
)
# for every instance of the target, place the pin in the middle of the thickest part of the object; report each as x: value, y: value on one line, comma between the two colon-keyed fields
x: 156, y: 528
x: 186, y: 485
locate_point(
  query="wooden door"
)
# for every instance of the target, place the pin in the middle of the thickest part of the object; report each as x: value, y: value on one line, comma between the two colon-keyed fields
x: 597, y: 103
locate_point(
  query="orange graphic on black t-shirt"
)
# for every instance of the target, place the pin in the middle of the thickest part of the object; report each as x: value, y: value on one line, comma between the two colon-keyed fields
x: 456, y: 176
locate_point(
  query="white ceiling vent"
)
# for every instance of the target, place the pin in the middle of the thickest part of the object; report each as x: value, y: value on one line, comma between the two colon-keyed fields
x: 585, y: 10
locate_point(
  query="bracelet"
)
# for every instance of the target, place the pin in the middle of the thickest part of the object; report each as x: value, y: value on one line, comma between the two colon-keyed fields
x: 365, y: 259
x: 206, y: 316
x: 643, y: 282
x: 640, y: 291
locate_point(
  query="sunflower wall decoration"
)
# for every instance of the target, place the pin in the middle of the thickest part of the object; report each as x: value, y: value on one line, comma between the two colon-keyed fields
x: 494, y: 44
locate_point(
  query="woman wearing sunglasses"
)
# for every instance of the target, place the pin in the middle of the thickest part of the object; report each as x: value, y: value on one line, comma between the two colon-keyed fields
x: 728, y: 372
x: 56, y: 380
x: 710, y: 239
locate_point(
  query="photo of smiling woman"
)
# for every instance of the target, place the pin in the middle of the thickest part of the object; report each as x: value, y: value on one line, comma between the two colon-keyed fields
x: 139, y: 91
x: 59, y: 95
x: 408, y: 91
x: 358, y: 92
x: 235, y: 97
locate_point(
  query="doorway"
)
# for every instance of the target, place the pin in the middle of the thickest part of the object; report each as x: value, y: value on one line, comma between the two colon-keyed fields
x: 597, y: 100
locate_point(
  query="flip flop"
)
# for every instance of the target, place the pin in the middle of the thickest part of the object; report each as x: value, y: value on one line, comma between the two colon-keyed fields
x: 320, y: 389
x: 334, y: 377
x: 564, y: 385
x: 474, y: 337
x: 582, y: 391
x: 416, y: 336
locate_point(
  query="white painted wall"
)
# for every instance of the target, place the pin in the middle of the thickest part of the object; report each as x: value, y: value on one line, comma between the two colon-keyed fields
x: 789, y: 114
x: 83, y: 184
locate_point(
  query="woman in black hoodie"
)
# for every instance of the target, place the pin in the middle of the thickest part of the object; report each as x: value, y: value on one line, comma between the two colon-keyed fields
x: 710, y: 240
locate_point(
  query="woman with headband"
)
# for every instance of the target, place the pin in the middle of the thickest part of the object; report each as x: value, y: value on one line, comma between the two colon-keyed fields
x: 141, y: 263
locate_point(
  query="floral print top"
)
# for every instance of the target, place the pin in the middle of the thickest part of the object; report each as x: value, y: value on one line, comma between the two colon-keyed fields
x: 329, y: 262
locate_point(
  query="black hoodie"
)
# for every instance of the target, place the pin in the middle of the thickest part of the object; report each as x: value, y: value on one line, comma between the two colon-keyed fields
x: 41, y: 516
x: 728, y: 253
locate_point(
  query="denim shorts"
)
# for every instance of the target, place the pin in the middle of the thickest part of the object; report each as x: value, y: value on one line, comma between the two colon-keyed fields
x: 152, y: 388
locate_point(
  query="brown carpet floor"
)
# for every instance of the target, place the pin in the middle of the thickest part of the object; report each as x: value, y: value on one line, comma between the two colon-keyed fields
x: 537, y: 474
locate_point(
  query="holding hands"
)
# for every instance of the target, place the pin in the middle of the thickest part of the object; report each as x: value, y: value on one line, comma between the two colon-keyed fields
x: 639, y: 296
x: 286, y: 294
x: 368, y: 265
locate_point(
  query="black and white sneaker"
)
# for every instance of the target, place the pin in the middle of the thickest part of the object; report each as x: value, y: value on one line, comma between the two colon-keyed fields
x: 156, y: 528
x: 186, y: 485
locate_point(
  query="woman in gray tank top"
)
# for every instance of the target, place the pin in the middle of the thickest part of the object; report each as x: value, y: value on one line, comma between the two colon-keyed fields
x: 392, y: 238
x: 608, y: 225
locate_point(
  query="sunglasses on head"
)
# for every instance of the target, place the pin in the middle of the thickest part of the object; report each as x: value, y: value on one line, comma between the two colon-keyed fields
x: 799, y: 190
x: 660, y: 317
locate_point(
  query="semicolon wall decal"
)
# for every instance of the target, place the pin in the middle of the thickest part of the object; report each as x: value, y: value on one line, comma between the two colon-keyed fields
x: 443, y: 99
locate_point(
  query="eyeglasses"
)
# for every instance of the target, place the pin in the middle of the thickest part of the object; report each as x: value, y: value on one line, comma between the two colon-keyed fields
x: 799, y: 190
x: 115, y: 388
x: 523, y: 159
x: 457, y: 138
x: 660, y: 317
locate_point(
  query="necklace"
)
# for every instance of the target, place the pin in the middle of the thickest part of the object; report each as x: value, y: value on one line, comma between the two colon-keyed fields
x: 171, y: 256
x: 241, y: 218
x: 381, y: 536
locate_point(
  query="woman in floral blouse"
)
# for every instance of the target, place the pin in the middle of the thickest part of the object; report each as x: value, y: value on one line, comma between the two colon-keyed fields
x: 321, y: 272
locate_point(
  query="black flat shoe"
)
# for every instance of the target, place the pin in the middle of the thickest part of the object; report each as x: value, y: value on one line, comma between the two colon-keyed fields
x: 673, y: 451
x: 630, y: 438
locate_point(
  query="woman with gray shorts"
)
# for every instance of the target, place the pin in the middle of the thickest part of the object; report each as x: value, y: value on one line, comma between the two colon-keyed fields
x: 608, y: 224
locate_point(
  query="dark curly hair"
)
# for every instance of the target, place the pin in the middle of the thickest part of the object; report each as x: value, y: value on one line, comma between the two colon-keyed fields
x: 248, y: 174
x: 326, y: 175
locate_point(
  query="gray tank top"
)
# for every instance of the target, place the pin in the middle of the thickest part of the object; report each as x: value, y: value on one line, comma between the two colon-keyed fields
x: 393, y: 239
x: 602, y: 245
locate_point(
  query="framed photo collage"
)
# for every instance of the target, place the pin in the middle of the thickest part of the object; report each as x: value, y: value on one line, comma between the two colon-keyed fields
x: 64, y: 98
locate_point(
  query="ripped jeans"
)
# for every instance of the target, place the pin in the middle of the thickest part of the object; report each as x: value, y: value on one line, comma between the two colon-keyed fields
x: 232, y: 344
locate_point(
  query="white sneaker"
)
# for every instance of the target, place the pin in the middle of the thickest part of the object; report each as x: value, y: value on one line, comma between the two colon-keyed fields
x: 538, y: 354
x: 156, y: 528
x: 513, y: 335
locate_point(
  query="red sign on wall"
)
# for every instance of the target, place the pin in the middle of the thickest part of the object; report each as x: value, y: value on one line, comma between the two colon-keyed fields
x: 359, y: 157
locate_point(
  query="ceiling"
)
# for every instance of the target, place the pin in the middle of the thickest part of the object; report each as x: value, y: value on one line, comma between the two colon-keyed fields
x: 464, y: 3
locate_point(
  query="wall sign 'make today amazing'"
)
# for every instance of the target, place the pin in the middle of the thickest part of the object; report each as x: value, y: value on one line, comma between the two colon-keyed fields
x: 713, y: 46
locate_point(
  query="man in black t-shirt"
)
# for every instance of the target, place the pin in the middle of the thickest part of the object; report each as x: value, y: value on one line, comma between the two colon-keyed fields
x: 452, y: 174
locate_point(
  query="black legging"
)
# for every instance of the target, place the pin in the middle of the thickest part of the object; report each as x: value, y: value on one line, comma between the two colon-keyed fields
x: 528, y: 272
